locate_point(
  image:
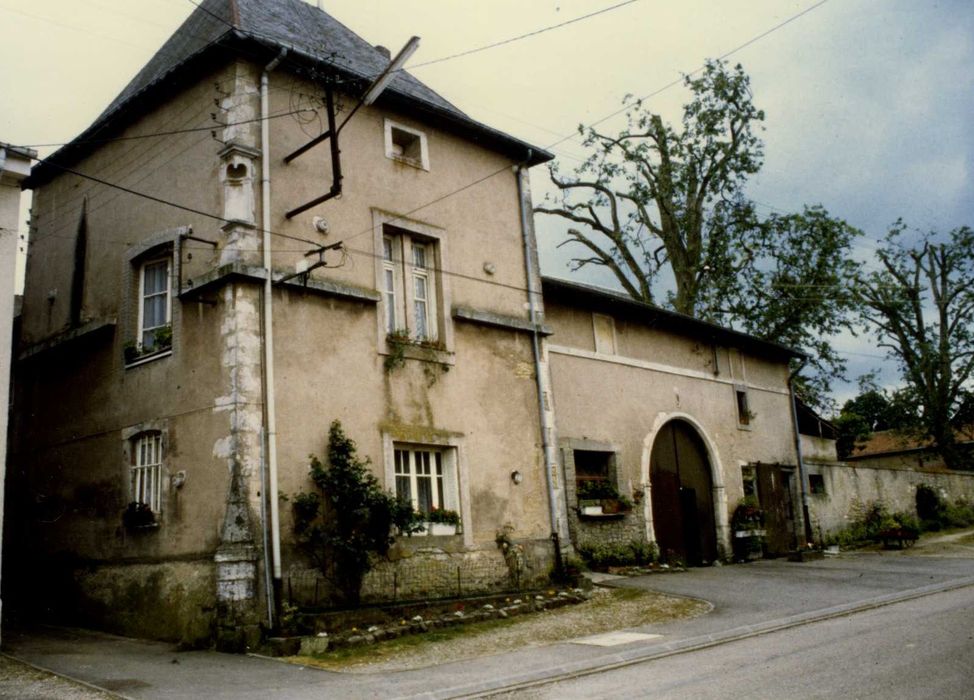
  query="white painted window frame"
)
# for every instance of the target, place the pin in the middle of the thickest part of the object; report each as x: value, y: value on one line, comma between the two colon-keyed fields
x: 140, y: 328
x: 405, y: 273
x: 454, y: 458
x: 148, y: 456
x: 423, y: 163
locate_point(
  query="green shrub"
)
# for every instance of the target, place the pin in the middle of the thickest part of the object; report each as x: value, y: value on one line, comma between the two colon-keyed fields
x: 348, y: 518
x: 634, y: 553
x: 959, y: 514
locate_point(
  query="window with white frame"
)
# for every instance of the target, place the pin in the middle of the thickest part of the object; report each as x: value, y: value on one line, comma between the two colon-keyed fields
x: 146, y: 469
x: 426, y: 477
x: 155, y: 305
x: 406, y: 145
x: 409, y: 292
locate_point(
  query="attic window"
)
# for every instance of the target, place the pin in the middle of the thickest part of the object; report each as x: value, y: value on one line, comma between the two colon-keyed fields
x: 406, y: 145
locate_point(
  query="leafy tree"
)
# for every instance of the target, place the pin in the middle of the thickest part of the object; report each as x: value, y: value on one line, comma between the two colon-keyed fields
x: 665, y: 208
x: 921, y: 305
x: 348, y: 518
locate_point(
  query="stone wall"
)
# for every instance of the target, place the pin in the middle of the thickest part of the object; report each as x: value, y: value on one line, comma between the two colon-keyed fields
x: 427, y: 568
x: 848, y: 486
x: 172, y: 601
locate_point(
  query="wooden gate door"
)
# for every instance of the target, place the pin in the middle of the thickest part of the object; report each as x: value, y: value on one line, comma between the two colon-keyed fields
x: 775, y: 484
x: 682, y: 495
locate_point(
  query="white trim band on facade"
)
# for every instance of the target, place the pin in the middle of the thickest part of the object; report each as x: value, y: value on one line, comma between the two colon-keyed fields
x: 655, y: 367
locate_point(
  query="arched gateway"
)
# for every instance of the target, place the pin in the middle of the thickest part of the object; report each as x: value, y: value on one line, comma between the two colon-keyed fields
x: 681, y: 488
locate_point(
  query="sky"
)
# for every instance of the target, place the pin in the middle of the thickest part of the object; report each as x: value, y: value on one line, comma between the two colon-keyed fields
x: 868, y: 102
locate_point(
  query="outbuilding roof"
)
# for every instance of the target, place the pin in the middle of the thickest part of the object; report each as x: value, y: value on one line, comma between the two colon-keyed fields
x: 258, y: 30
x: 619, y: 304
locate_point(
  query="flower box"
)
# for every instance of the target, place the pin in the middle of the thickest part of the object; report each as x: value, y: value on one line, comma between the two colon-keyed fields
x: 750, y: 533
x: 441, y: 529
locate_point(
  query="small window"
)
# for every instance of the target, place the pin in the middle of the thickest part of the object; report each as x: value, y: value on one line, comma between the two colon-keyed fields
x: 146, y: 470
x: 816, y: 484
x: 427, y: 477
x: 605, y: 334
x: 409, y: 288
x: 744, y: 415
x: 155, y: 307
x: 594, y: 477
x: 406, y: 145
x: 749, y: 481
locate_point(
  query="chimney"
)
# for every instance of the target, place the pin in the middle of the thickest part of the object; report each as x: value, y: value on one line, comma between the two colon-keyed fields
x: 384, y: 51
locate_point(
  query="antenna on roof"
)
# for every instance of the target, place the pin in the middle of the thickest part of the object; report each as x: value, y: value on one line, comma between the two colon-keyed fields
x: 379, y: 84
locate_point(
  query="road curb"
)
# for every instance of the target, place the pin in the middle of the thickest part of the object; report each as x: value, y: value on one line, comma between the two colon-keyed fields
x: 650, y: 652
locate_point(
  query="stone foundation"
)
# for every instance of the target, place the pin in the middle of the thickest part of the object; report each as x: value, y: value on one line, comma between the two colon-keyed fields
x: 421, y: 568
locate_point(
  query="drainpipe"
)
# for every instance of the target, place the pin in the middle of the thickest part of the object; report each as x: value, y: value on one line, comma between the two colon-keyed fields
x: 547, y: 429
x: 270, y: 417
x: 802, y: 478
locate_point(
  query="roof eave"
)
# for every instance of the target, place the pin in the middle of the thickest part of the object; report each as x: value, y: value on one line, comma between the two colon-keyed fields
x: 609, y: 300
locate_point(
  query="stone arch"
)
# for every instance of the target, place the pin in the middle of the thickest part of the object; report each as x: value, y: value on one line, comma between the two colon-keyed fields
x: 717, y: 495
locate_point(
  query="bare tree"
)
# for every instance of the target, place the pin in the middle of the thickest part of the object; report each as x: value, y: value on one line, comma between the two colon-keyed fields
x: 664, y: 209
x: 921, y: 305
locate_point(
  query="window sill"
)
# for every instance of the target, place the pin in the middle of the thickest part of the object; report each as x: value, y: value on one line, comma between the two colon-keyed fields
x: 145, y: 359
x: 745, y: 426
x: 411, y: 162
x: 415, y: 351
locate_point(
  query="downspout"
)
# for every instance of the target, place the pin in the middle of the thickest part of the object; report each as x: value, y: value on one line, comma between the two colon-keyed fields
x: 802, y: 478
x: 270, y: 418
x: 547, y: 430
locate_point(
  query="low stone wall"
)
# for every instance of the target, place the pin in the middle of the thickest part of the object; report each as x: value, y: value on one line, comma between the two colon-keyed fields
x: 848, y: 486
x: 588, y: 532
x: 170, y: 601
x: 421, y: 568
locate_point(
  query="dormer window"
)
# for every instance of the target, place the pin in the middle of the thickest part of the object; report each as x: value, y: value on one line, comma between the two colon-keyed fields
x: 406, y: 145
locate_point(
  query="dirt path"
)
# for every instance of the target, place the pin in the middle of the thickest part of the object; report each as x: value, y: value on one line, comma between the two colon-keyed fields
x: 958, y: 544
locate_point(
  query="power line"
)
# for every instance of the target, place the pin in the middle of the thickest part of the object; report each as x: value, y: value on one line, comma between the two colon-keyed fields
x: 521, y: 36
x: 160, y: 200
x: 680, y: 80
x: 173, y: 132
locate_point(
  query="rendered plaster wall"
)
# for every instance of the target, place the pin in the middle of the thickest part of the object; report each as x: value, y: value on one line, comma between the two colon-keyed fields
x: 484, y: 405
x: 848, y: 488
x: 479, y: 224
x: 655, y: 376
x: 78, y: 402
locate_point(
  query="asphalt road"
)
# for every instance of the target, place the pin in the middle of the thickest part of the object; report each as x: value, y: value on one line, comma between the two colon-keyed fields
x: 845, y: 622
x: 921, y: 648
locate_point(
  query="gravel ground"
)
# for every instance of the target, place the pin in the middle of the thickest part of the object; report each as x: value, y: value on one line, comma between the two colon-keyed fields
x: 23, y: 682
x: 606, y: 611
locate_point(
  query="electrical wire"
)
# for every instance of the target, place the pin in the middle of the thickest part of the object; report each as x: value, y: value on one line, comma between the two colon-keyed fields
x: 173, y: 132
x: 521, y: 36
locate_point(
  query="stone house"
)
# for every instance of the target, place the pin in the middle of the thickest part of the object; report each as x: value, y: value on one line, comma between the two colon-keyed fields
x: 190, y: 330
x: 191, y: 327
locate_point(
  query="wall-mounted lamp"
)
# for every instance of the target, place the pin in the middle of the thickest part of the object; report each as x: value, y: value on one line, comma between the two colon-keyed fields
x: 517, y: 477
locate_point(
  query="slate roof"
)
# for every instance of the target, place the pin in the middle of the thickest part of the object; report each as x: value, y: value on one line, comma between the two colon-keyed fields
x: 258, y: 29
x: 619, y: 304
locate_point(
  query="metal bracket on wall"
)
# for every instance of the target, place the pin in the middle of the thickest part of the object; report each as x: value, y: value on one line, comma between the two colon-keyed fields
x: 336, y: 160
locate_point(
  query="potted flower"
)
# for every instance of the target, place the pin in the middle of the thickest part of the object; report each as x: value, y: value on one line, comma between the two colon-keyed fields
x: 748, y: 526
x: 442, y: 521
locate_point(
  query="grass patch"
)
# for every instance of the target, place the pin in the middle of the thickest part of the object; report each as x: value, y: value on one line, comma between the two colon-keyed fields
x: 608, y: 610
